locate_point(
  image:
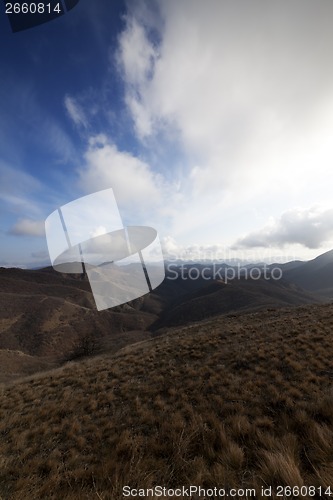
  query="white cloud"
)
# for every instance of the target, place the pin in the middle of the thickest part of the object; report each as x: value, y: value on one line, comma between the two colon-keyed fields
x: 28, y: 227
x: 246, y: 89
x: 242, y: 96
x: 136, y: 187
x: 173, y: 250
x: 136, y: 54
x: 311, y: 228
x: 75, y: 111
x: 136, y: 58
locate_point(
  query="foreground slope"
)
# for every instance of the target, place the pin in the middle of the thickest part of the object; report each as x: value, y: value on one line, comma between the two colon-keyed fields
x: 240, y: 401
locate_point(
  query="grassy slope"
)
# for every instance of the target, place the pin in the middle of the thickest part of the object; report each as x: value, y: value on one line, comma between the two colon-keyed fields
x: 45, y: 316
x: 239, y: 401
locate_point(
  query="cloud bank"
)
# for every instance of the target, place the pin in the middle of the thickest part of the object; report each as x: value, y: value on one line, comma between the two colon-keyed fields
x: 309, y: 227
x: 245, y: 89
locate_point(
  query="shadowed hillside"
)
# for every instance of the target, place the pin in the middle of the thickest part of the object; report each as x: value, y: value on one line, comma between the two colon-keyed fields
x: 315, y: 275
x: 238, y: 296
x: 235, y: 402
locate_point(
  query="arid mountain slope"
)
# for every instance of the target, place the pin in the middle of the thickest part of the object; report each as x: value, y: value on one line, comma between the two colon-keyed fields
x: 46, y: 315
x: 234, y: 402
x: 51, y: 317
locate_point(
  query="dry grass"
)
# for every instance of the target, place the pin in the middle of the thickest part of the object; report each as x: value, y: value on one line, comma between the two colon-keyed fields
x: 243, y: 401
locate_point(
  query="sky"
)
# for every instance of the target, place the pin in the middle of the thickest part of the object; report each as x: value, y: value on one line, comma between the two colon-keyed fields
x: 212, y: 122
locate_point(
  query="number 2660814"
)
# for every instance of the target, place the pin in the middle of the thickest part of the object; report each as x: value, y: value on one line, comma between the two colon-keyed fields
x: 32, y: 8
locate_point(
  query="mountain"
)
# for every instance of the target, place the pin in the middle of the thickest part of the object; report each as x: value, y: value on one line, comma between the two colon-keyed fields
x: 315, y: 275
x: 286, y: 266
x: 235, y: 296
x: 232, y: 402
x: 200, y: 382
x: 46, y: 317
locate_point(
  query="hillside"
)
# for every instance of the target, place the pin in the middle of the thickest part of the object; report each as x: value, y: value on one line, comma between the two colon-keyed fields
x: 46, y: 317
x: 315, y: 275
x: 236, y: 296
x: 235, y: 402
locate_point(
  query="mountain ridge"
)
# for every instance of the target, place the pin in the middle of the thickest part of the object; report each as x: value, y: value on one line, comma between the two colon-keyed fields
x: 52, y: 316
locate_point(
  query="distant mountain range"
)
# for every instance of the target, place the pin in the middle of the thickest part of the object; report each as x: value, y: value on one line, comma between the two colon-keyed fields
x: 46, y: 317
x: 315, y: 275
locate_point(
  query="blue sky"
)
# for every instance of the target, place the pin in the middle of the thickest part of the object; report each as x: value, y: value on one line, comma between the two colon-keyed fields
x: 212, y: 121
